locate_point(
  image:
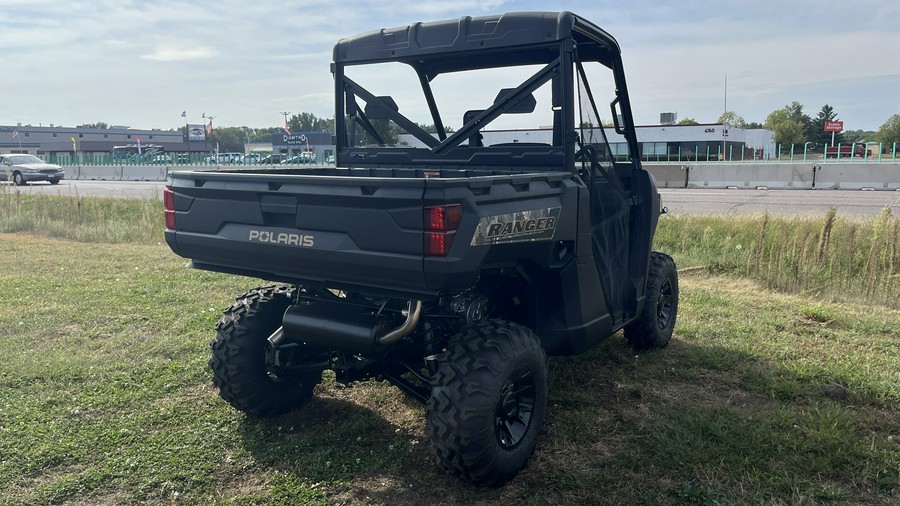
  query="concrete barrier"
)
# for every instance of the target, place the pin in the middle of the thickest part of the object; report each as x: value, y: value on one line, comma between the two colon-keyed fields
x: 858, y: 177
x: 143, y: 173
x: 72, y: 171
x: 670, y: 175
x: 781, y: 176
x: 100, y: 172
x: 749, y: 175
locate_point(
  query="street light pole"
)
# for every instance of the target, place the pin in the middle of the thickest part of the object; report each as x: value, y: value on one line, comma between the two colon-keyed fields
x: 211, y: 138
x: 725, y: 119
x: 286, y: 129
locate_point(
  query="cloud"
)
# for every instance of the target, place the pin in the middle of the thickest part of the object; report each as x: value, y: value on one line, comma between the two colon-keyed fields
x: 181, y: 53
x: 440, y: 8
x: 246, y: 61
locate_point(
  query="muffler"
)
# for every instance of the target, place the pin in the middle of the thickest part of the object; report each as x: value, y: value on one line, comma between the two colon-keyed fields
x: 341, y: 326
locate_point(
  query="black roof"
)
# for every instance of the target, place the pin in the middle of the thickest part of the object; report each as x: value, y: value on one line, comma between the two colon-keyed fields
x: 448, y: 44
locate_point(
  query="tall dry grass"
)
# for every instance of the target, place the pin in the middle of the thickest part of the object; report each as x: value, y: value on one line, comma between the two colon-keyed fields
x: 829, y: 256
x: 83, y: 219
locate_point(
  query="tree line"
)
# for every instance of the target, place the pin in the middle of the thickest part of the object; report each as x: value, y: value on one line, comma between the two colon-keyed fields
x: 792, y: 126
x: 232, y: 139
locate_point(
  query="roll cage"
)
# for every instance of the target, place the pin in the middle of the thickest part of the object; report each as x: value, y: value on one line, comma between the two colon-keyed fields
x: 557, y: 42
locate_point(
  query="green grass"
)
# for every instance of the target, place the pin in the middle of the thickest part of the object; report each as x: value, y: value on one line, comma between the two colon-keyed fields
x: 105, y: 398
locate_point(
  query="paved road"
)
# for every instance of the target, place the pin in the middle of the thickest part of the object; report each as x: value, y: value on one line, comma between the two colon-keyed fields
x: 117, y: 189
x: 850, y: 203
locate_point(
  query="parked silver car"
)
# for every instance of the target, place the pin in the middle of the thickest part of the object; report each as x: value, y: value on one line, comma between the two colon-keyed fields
x: 22, y: 169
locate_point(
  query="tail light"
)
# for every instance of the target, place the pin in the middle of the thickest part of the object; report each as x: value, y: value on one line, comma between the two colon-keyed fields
x: 441, y: 223
x: 169, y: 204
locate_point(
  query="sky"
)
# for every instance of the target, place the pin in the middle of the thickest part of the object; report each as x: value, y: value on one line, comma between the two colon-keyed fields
x: 141, y: 63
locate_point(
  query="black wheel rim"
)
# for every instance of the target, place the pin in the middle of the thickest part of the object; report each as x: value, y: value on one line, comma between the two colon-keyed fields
x: 665, y: 304
x: 515, y: 407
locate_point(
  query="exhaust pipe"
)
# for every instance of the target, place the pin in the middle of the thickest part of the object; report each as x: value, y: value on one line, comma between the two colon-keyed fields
x: 413, y: 312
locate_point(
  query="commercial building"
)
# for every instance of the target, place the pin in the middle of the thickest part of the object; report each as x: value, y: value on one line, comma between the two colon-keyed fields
x: 95, y: 144
x: 321, y: 143
x: 54, y: 141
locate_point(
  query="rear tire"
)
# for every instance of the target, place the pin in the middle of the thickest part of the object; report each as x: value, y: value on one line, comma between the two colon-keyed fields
x: 239, y: 356
x: 654, y: 326
x: 488, y: 401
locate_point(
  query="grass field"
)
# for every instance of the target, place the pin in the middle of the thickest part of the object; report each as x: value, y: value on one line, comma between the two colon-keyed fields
x: 829, y: 257
x: 83, y: 219
x: 105, y: 398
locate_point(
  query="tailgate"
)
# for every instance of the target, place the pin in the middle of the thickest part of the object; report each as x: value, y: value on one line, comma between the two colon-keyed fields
x: 336, y: 230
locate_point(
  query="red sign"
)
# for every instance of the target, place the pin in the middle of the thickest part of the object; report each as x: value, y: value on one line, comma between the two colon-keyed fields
x: 834, y: 126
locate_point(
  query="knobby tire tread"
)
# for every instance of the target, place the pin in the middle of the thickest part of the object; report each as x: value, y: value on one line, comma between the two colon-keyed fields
x: 644, y: 333
x: 238, y: 356
x: 461, y: 408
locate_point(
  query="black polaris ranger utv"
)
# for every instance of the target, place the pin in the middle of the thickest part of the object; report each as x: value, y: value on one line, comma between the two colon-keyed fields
x: 445, y: 261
